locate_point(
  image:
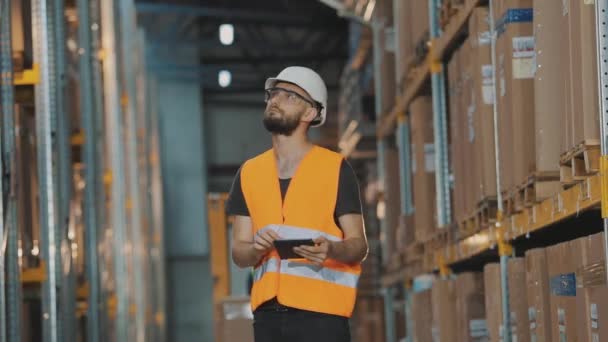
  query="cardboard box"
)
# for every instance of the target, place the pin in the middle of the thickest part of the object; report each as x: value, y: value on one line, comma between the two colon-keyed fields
x: 565, y: 33
x: 539, y: 305
x: 471, y: 324
x: 392, y: 195
x: 405, y: 234
x: 419, y: 23
x: 493, y: 300
x: 594, y: 314
x: 548, y: 80
x: 483, y: 83
x: 422, y: 316
x: 455, y: 119
x: 444, y: 310
x: 368, y: 319
x: 236, y: 324
x: 516, y: 62
x: 423, y: 167
x: 591, y: 289
x: 518, y: 301
x: 563, y: 259
x: 584, y: 73
x: 17, y: 27
x: 468, y: 129
x: 404, y: 47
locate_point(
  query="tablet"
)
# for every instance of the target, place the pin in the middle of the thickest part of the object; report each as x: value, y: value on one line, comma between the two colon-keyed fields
x: 285, y: 247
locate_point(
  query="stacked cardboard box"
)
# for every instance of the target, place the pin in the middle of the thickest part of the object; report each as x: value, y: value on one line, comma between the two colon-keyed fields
x: 471, y: 98
x: 413, y: 26
x: 482, y: 103
x: 537, y: 279
x: 403, y: 48
x: 470, y: 308
x: 368, y: 319
x: 392, y: 197
x: 548, y: 80
x: 493, y: 301
x: 455, y: 90
x: 444, y: 310
x: 517, y: 300
x: 423, y: 167
x: 592, y: 293
x: 563, y: 259
x: 422, y: 316
x: 580, y: 85
x: 515, y: 74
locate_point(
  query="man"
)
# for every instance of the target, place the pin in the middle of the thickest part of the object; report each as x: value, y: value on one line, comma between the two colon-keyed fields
x: 298, y: 190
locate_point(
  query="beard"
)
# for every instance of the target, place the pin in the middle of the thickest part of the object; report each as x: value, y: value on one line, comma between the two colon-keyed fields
x: 276, y: 122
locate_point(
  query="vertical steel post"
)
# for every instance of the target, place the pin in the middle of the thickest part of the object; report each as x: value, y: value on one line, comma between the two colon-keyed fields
x: 129, y: 65
x: 112, y: 90
x: 389, y: 315
x: 7, y: 312
x: 601, y: 20
x: 378, y: 39
x: 439, y: 123
x: 44, y: 56
x: 504, y: 248
x: 91, y: 174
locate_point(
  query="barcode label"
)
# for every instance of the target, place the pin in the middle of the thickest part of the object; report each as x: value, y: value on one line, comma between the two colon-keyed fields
x: 523, y: 47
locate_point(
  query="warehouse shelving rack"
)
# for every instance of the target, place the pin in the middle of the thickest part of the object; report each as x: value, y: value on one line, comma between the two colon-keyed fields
x: 120, y: 198
x: 591, y: 193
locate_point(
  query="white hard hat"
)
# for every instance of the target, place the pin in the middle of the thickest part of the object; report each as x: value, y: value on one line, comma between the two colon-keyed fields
x: 308, y: 80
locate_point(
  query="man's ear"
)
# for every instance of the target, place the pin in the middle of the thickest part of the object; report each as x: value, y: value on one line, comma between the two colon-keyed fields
x: 310, y: 115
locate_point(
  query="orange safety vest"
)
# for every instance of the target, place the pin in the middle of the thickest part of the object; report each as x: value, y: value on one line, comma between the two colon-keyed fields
x: 306, y: 212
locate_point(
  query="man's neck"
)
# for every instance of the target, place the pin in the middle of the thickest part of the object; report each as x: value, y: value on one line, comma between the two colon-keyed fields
x: 290, y: 147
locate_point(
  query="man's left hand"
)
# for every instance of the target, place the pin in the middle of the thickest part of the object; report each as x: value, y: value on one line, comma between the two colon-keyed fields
x: 316, y: 254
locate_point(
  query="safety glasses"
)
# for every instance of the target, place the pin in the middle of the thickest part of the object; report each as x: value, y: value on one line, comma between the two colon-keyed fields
x: 289, y: 96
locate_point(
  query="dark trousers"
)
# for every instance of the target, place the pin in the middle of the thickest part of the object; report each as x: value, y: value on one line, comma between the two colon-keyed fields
x: 291, y: 325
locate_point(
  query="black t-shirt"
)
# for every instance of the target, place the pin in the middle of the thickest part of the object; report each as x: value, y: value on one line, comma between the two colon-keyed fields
x: 347, y: 202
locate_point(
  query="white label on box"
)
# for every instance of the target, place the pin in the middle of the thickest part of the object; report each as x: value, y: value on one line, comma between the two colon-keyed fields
x: 594, y: 316
x: 487, y: 84
x: 484, y: 38
x: 561, y: 319
x: 565, y: 7
x: 533, y: 337
x: 501, y: 333
x: 435, y: 333
x: 429, y: 157
x: 523, y: 68
x: 523, y: 57
x: 523, y: 47
x: 595, y: 337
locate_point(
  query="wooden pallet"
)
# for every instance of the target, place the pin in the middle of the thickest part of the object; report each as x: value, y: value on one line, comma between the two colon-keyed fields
x: 580, y: 162
x: 413, y: 253
x: 511, y: 203
x: 482, y: 217
x: 538, y: 187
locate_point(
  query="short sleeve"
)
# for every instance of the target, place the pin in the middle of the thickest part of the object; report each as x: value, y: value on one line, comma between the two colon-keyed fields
x: 235, y: 204
x: 349, y: 197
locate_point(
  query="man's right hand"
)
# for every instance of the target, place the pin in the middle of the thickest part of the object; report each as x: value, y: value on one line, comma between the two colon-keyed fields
x: 263, y: 241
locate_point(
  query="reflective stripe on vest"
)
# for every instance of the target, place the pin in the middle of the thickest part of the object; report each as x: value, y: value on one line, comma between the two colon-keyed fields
x: 271, y: 265
x: 306, y: 270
